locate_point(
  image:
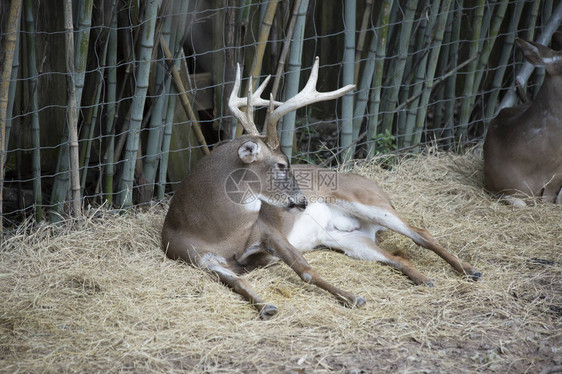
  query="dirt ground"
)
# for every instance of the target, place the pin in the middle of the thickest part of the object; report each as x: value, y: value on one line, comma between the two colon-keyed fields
x: 99, y: 295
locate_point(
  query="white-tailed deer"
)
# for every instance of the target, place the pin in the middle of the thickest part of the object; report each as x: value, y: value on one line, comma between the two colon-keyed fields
x: 523, y: 146
x: 243, y: 206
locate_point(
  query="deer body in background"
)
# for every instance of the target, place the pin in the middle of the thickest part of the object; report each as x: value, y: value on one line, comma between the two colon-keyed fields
x: 523, y: 146
x: 244, y: 206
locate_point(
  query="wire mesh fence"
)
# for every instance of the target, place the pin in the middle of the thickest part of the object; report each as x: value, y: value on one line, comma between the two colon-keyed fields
x: 143, y: 85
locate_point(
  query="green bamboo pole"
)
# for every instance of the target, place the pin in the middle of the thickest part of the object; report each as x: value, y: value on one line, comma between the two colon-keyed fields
x: 450, y: 85
x: 420, y: 76
x: 367, y: 77
x: 539, y: 73
x: 497, y: 21
x: 63, y: 178
x: 362, y: 36
x: 263, y: 36
x: 175, y: 40
x: 396, y: 70
x: 110, y: 106
x: 430, y: 72
x: 346, y: 137
x: 34, y: 109
x: 509, y: 40
x: 466, y: 108
x: 439, y: 103
x: 12, y: 94
x: 137, y: 107
x: 155, y: 128
x: 293, y: 78
x: 89, y: 124
x: 72, y: 111
x: 376, y: 87
x: 285, y: 50
x: 10, y: 41
x: 363, y: 92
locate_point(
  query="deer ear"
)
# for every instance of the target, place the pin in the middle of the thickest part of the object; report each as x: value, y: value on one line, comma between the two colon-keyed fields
x: 249, y: 152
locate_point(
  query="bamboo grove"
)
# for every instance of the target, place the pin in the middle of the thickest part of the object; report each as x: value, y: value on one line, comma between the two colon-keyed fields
x: 110, y: 102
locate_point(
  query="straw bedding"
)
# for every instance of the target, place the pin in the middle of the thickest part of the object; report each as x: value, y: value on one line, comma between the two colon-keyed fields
x: 99, y: 296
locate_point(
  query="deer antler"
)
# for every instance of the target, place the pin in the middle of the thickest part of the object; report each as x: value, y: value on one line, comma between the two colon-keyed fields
x: 252, y: 100
x: 307, y: 96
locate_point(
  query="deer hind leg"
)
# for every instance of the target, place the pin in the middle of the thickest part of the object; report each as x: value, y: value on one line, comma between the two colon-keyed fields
x: 389, y: 218
x: 360, y: 245
x: 218, y: 265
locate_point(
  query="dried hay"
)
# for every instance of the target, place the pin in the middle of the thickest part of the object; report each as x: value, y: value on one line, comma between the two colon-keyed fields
x: 102, y: 298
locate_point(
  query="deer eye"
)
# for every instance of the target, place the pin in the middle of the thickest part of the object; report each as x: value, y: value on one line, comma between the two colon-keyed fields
x: 281, y: 166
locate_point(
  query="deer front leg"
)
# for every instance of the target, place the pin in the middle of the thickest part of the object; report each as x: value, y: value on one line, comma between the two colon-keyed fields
x: 217, y: 265
x: 292, y: 257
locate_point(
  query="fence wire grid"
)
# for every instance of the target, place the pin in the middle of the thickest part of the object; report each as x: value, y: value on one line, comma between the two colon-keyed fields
x: 151, y: 81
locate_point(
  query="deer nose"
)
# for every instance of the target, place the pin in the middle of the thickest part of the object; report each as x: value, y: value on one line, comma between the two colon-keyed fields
x: 300, y: 203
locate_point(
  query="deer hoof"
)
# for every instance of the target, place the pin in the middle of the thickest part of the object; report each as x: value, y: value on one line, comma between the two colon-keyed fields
x: 268, y: 311
x: 360, y: 302
x: 476, y: 275
x: 429, y: 283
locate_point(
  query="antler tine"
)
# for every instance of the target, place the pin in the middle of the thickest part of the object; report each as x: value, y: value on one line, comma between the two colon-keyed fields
x: 307, y: 96
x: 235, y: 102
x: 252, y: 100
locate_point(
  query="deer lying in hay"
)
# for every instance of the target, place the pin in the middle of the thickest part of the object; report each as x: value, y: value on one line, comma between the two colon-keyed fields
x: 242, y: 207
x: 523, y: 146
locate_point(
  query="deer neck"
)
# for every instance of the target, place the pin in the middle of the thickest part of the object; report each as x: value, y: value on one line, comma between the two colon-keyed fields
x: 549, y: 97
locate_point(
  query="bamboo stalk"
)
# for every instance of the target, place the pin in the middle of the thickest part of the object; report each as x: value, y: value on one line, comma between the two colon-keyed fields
x: 367, y: 79
x: 419, y: 77
x: 501, y: 7
x: 376, y: 87
x: 111, y: 66
x: 292, y: 80
x: 72, y: 111
x: 430, y: 73
x: 63, y: 178
x: 439, y: 90
x: 396, y: 71
x: 362, y: 36
x: 450, y: 87
x: 263, y: 36
x: 176, y: 38
x: 81, y: 46
x: 539, y: 73
x: 155, y: 128
x: 34, y: 108
x: 285, y: 50
x: 12, y: 95
x: 9, y: 47
x: 137, y: 106
x: 466, y: 108
x: 346, y: 136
